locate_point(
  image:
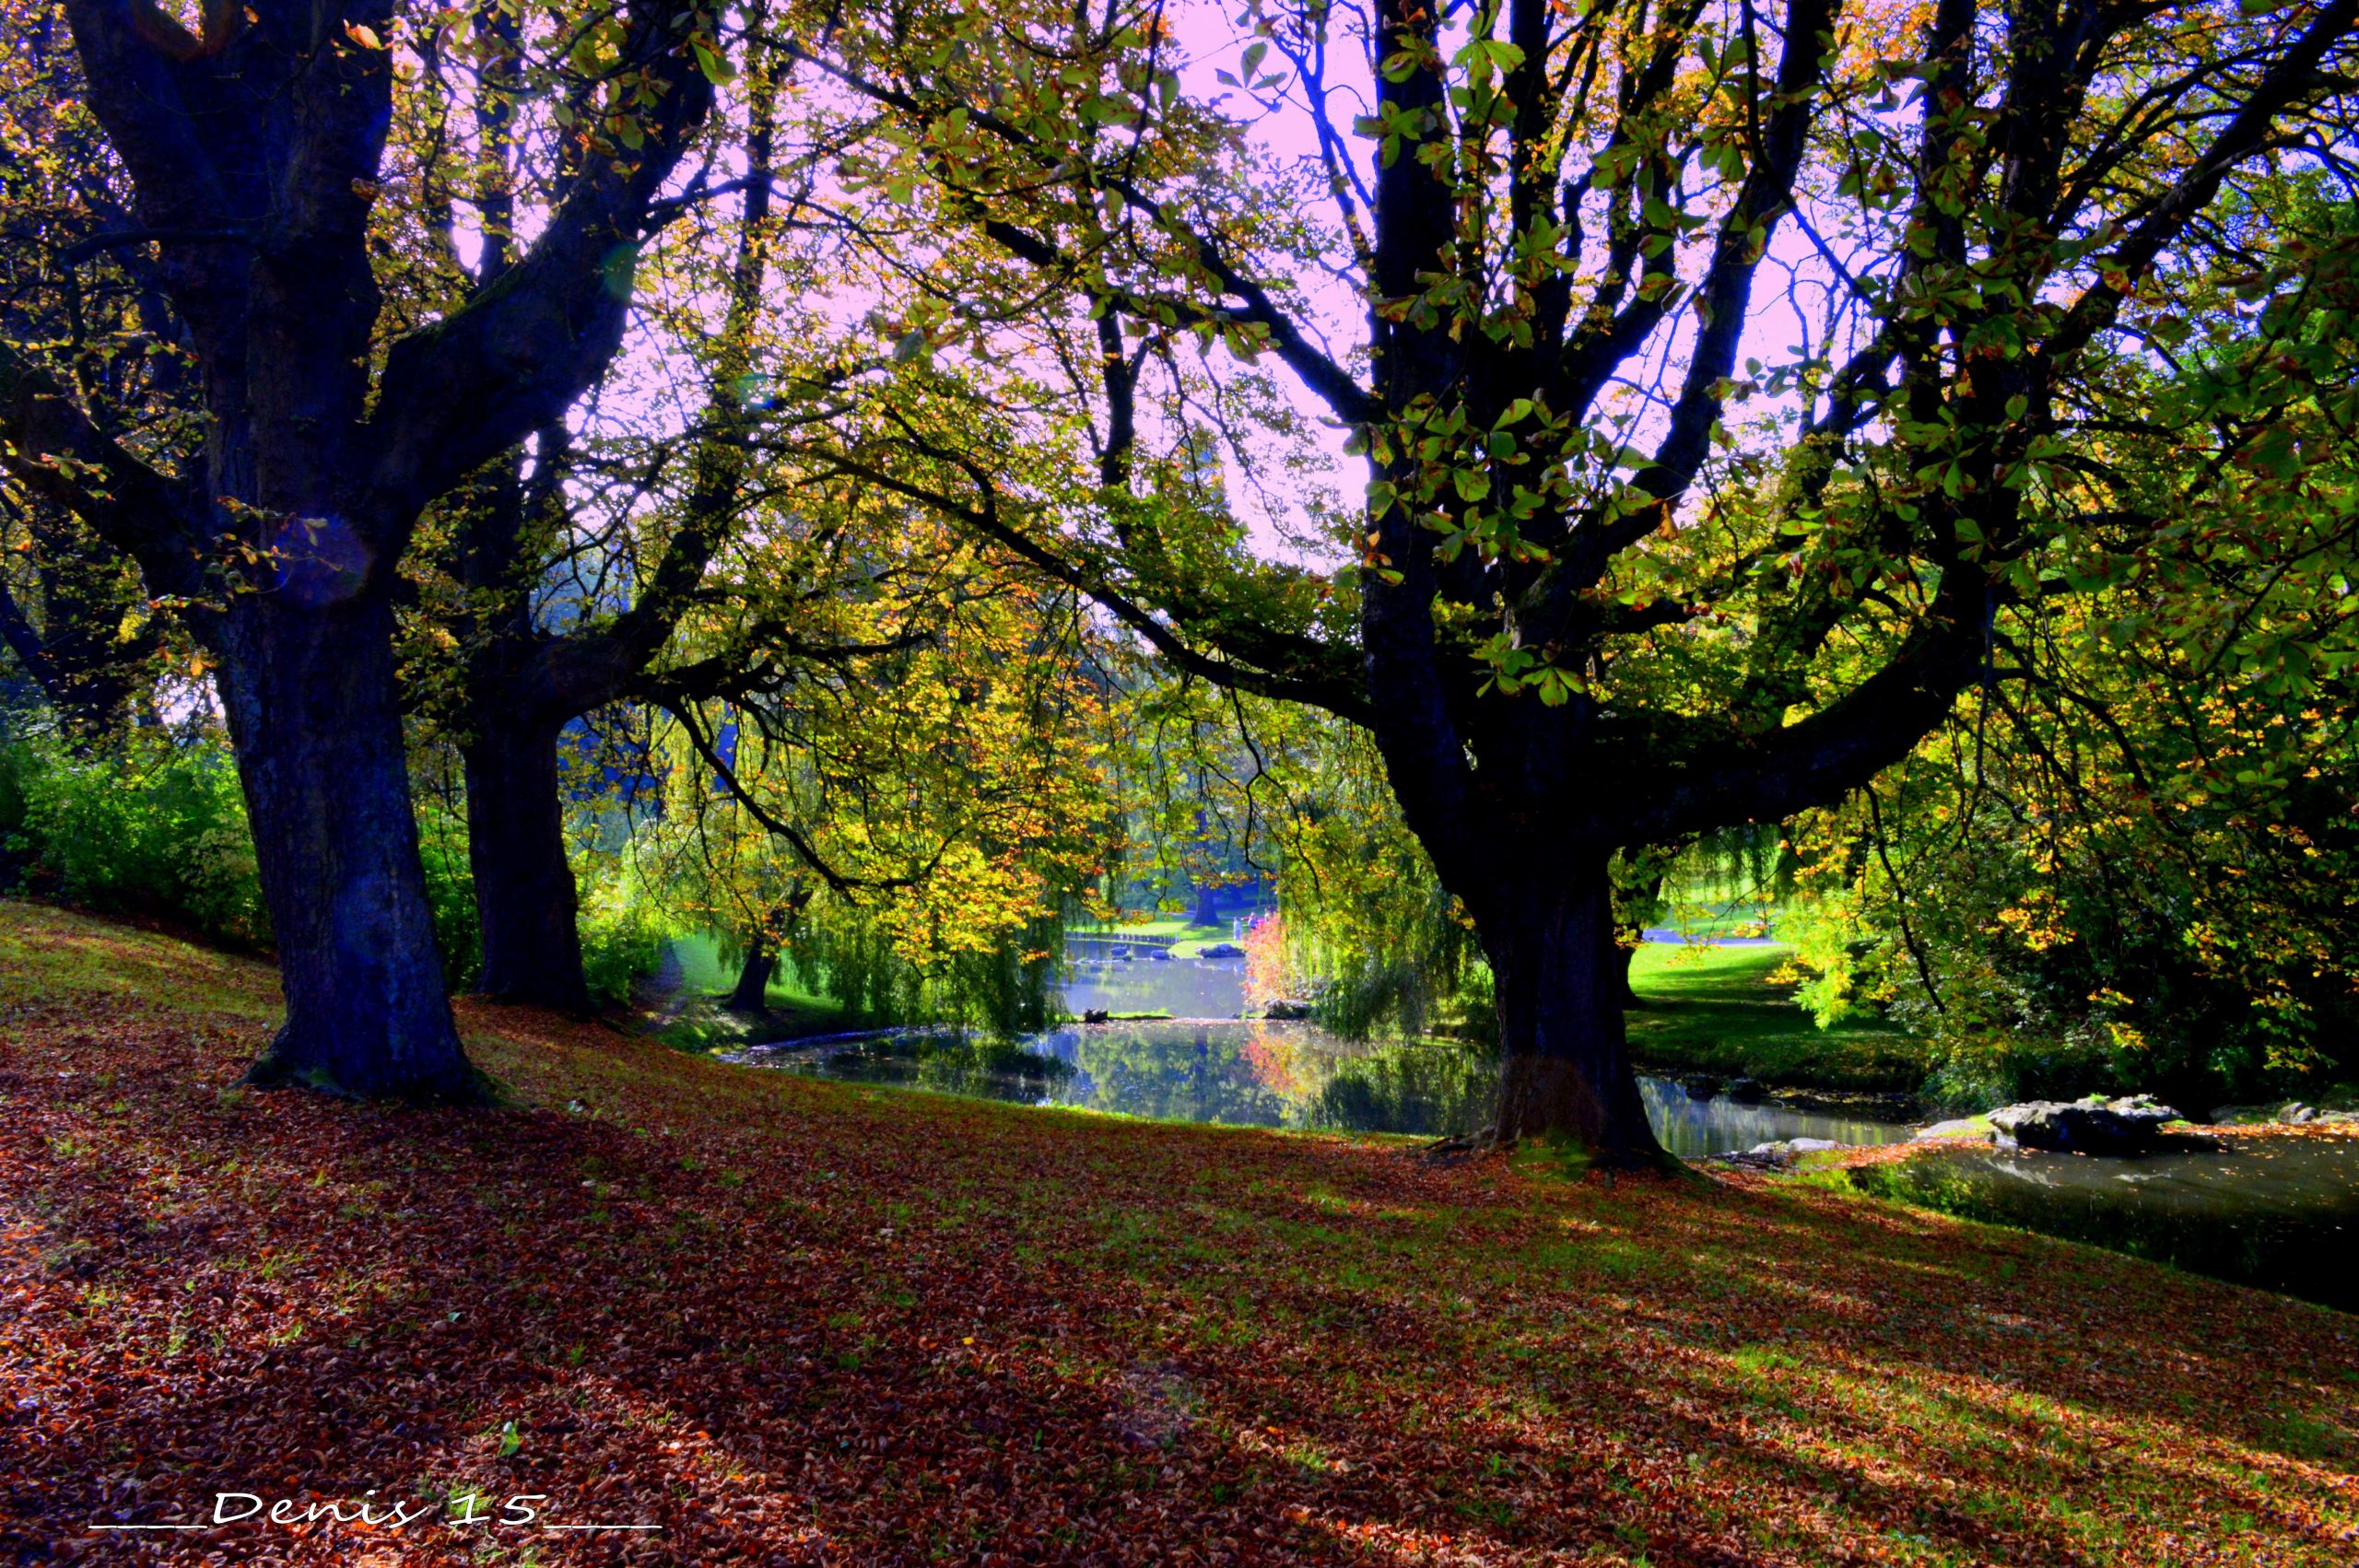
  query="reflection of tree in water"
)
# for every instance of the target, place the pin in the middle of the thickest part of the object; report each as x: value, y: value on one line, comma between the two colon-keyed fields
x: 1196, y: 1071
x: 1416, y: 1086
x: 995, y: 1069
x: 2296, y: 1240
x: 1276, y: 1074
x: 1275, y: 1060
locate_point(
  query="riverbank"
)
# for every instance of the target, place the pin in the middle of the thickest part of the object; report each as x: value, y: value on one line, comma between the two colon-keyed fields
x: 1713, y: 1009
x: 787, y: 1320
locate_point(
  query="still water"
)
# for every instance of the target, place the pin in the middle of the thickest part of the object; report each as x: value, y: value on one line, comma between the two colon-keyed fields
x: 1208, y: 1065
x: 2278, y: 1212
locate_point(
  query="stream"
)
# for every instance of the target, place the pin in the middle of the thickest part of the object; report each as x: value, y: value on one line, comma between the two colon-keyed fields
x: 2278, y: 1212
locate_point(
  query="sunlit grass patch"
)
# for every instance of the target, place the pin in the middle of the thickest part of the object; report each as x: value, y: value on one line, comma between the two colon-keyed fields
x: 1715, y: 1009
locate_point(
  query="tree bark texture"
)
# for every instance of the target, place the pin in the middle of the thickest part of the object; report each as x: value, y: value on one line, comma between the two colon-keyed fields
x: 309, y: 700
x: 1560, y: 976
x: 525, y: 898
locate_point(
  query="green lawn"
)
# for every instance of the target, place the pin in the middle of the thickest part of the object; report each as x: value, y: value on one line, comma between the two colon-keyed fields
x: 696, y: 1021
x: 1716, y: 905
x: 1190, y: 933
x: 1715, y: 1010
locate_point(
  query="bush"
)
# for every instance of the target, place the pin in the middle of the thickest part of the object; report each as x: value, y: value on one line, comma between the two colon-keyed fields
x: 450, y: 892
x: 154, y: 826
x: 621, y: 943
x: 147, y: 825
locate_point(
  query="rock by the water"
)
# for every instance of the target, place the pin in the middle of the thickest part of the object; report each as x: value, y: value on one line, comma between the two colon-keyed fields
x: 1220, y: 949
x: 2094, y: 1126
x: 1095, y: 1016
x: 1701, y: 1086
x: 1744, y: 1090
x: 1159, y: 955
x: 1963, y: 1127
x: 1288, y: 1011
x: 2302, y: 1114
x: 1787, y: 1151
x: 2241, y: 1116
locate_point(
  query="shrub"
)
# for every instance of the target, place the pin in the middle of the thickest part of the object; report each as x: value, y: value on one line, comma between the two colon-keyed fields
x: 450, y: 892
x: 153, y: 826
x: 621, y: 942
x: 144, y: 825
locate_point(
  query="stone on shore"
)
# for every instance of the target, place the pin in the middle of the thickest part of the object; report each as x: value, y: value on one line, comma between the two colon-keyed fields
x: 2093, y: 1126
x: 1785, y: 1152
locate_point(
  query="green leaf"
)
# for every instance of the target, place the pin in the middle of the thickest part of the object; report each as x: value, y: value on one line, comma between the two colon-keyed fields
x: 716, y: 70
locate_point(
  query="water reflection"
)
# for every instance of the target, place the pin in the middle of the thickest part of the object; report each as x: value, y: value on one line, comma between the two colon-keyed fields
x: 1261, y: 1073
x: 1184, y: 988
x: 1691, y: 1129
x: 2277, y: 1211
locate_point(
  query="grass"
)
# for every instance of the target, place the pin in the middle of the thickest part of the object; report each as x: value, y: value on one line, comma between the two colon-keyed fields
x: 1717, y: 905
x: 793, y: 1321
x: 701, y: 971
x: 1715, y: 1009
x: 1191, y: 935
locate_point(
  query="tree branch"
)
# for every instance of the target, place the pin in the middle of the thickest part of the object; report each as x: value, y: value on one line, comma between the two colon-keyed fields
x: 53, y: 449
x: 520, y: 351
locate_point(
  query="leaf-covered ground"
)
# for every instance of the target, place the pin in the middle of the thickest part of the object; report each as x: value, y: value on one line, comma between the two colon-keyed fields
x: 790, y: 1321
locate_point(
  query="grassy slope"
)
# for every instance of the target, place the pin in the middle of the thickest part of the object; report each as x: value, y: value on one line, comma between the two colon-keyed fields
x: 1713, y: 1009
x: 809, y: 1322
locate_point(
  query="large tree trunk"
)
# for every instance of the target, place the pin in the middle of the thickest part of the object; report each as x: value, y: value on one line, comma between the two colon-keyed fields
x: 1560, y: 978
x: 526, y: 900
x: 754, y: 980
x: 308, y: 691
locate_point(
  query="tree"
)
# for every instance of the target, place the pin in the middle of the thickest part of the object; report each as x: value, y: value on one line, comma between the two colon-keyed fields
x: 72, y: 620
x: 2121, y: 863
x: 1556, y: 220
x: 72, y: 611
x: 254, y: 148
x: 906, y: 818
x: 521, y: 681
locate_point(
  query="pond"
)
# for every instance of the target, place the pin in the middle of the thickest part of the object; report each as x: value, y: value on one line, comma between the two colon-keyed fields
x: 1209, y: 1065
x: 2278, y: 1212
x: 1184, y: 988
